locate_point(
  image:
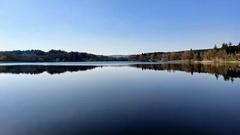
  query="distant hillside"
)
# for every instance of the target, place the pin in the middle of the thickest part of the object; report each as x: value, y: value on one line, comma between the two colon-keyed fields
x: 52, y: 56
x: 227, y: 52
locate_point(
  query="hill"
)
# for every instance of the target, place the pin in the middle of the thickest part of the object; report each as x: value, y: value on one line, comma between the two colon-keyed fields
x: 227, y: 52
x: 52, y: 56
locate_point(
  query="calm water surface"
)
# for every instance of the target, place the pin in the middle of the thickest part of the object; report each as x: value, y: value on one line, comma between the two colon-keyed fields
x: 119, y: 99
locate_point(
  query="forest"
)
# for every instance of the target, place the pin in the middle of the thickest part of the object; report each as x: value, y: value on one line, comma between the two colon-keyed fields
x: 52, y: 56
x: 227, y: 52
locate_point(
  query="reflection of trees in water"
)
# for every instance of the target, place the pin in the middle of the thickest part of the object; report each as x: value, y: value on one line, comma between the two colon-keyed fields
x: 38, y: 69
x: 228, y: 71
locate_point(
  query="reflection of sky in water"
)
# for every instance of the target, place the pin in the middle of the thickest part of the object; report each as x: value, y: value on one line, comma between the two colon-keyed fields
x: 118, y: 100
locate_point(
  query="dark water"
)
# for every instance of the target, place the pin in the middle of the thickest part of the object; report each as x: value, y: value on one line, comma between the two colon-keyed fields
x: 119, y: 99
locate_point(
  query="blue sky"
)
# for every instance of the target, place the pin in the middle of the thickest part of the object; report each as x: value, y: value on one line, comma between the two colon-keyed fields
x: 118, y: 26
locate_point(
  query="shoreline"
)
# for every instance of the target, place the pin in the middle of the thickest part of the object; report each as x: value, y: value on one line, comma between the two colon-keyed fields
x: 203, y: 61
x: 177, y: 61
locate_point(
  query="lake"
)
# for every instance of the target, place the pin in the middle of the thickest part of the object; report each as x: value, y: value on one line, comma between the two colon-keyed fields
x: 119, y: 98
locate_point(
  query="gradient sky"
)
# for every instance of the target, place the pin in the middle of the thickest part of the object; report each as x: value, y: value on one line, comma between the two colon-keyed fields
x: 118, y: 26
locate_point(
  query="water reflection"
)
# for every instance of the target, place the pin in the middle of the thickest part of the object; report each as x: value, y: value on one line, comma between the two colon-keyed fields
x: 116, y: 100
x: 227, y: 71
x: 38, y: 69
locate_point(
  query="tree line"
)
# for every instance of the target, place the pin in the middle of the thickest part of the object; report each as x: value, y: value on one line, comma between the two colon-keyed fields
x: 227, y: 52
x: 52, y: 56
